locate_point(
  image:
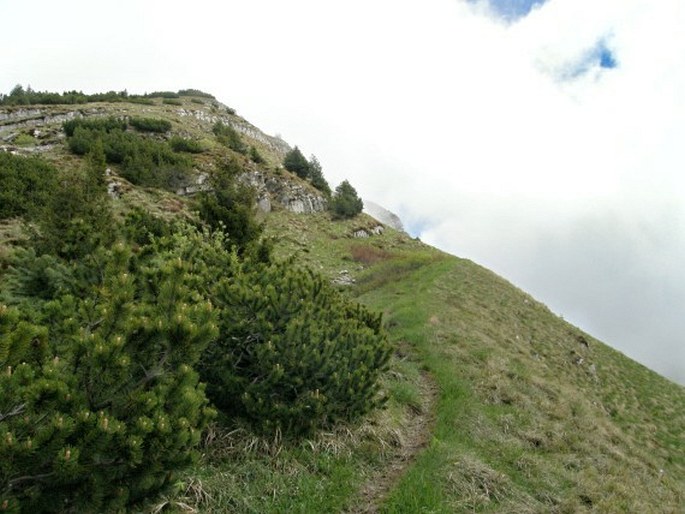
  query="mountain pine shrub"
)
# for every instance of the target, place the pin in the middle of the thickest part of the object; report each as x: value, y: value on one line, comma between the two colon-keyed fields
x: 99, y: 400
x: 26, y: 184
x: 150, y: 124
x: 181, y: 144
x: 144, y: 161
x: 293, y: 354
x: 228, y: 136
x: 99, y: 124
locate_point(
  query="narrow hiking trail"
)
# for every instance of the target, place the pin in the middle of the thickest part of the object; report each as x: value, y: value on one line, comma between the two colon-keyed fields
x: 414, y: 439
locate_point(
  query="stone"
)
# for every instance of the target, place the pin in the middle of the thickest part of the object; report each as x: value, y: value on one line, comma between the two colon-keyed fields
x: 264, y: 204
x: 343, y: 279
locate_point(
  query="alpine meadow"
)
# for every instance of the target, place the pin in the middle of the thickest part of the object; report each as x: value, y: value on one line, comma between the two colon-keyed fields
x: 193, y: 320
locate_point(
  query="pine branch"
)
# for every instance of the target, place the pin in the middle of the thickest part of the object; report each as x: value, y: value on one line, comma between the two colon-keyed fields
x: 148, y: 376
x: 14, y: 482
x: 16, y: 410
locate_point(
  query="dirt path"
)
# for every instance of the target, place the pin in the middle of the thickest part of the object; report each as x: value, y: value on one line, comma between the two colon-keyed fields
x: 416, y: 438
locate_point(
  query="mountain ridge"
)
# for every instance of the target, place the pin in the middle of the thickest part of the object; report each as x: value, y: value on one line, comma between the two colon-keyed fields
x: 519, y: 388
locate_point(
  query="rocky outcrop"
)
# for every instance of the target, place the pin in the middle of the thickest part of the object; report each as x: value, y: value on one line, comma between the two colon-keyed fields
x: 14, y: 120
x: 343, y: 279
x: 368, y: 232
x: 45, y: 124
x: 240, y: 125
x: 286, y: 192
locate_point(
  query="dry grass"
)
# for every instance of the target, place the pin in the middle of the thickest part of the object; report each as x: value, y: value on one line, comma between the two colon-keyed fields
x: 366, y: 254
x: 537, y: 417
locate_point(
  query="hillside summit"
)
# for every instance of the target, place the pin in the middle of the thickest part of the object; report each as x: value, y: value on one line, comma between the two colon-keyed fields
x: 490, y: 402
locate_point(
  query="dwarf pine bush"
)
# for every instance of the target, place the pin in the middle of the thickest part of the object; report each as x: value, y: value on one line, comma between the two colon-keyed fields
x: 99, y: 400
x: 292, y: 354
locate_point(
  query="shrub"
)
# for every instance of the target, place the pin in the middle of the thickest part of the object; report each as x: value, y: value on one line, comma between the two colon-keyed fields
x: 368, y: 254
x: 24, y: 140
x: 171, y: 101
x: 144, y: 162
x: 181, y: 144
x: 345, y: 202
x: 194, y: 92
x: 255, y: 156
x: 100, y: 124
x: 228, y: 136
x: 100, y: 404
x: 162, y: 94
x: 21, y: 96
x: 150, y: 124
x: 229, y: 207
x: 140, y: 100
x: 26, y: 184
x: 293, y: 354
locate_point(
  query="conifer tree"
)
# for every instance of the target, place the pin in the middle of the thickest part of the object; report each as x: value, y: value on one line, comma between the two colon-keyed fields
x: 296, y: 163
x: 228, y: 136
x: 345, y: 202
x: 316, y: 176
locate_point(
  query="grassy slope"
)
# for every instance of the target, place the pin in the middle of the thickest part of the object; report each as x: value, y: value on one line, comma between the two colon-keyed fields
x: 532, y: 414
x: 523, y: 424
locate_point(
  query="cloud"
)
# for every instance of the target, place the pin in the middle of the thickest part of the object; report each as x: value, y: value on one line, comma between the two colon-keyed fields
x: 546, y: 145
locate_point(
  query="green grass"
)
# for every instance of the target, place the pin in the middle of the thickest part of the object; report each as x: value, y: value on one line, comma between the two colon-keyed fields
x: 530, y: 415
x: 522, y: 424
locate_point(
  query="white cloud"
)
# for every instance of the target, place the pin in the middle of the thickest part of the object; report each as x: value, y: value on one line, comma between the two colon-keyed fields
x: 474, y: 129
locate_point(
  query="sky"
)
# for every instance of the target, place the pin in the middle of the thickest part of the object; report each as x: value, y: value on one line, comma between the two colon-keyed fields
x: 541, y: 139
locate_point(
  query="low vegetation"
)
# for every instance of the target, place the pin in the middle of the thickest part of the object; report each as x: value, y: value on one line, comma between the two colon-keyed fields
x: 112, y: 329
x: 27, y: 96
x: 144, y: 161
x: 150, y: 124
x: 26, y: 185
x: 229, y: 137
x: 183, y: 354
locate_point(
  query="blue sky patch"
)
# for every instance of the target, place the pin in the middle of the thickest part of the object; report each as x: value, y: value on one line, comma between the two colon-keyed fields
x: 514, y: 9
x: 606, y: 57
x: 600, y: 55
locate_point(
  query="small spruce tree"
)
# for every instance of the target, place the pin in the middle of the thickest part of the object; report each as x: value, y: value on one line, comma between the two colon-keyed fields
x: 255, y: 156
x: 296, y: 163
x: 345, y: 202
x: 316, y: 176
